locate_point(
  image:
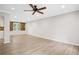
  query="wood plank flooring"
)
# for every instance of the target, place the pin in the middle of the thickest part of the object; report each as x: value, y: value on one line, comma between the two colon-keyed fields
x: 30, y: 45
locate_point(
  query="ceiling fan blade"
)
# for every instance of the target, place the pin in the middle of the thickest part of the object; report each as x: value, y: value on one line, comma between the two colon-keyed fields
x: 28, y: 10
x: 33, y: 13
x: 42, y: 8
x: 32, y: 6
x: 40, y: 12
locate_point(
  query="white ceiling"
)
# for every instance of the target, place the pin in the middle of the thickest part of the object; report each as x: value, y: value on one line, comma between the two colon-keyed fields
x: 52, y: 10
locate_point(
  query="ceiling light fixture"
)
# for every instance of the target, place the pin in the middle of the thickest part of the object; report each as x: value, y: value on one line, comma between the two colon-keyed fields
x: 63, y: 6
x: 12, y: 8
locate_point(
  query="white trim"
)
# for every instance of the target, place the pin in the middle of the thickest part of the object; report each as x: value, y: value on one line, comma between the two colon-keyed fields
x: 72, y: 43
x: 4, y: 12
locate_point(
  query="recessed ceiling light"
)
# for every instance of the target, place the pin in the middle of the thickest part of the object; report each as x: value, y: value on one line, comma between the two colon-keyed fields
x: 63, y: 6
x: 37, y: 15
x: 15, y: 16
x: 12, y: 8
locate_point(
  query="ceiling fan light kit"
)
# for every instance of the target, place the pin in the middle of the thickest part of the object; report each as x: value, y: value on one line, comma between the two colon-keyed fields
x: 35, y: 9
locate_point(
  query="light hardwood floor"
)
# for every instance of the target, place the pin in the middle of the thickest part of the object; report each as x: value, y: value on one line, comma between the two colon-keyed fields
x: 30, y: 45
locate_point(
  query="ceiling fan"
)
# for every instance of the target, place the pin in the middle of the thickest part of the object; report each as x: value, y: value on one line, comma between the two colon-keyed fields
x: 35, y: 9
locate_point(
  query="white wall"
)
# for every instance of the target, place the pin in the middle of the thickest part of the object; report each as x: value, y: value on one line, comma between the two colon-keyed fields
x: 1, y: 34
x: 1, y: 20
x: 6, y: 29
x: 63, y: 28
x: 1, y: 24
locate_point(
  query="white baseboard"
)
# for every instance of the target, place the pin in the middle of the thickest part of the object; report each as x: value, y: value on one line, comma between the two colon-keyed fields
x: 5, y: 42
x: 72, y: 43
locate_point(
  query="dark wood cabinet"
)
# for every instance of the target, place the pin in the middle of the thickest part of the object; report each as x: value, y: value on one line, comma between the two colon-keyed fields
x: 17, y: 26
x: 22, y: 26
x: 1, y: 28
